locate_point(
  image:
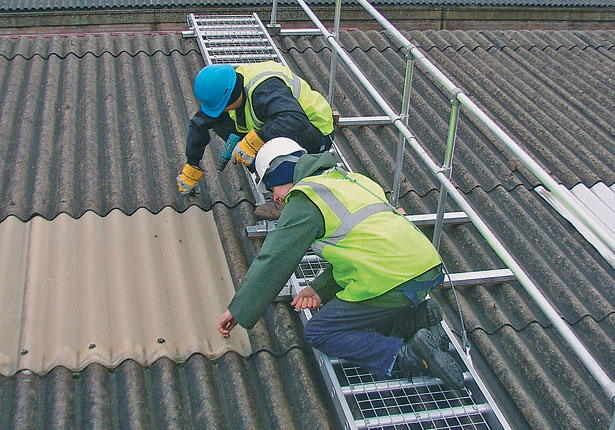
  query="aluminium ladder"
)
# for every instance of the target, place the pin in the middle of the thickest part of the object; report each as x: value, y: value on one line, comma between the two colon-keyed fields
x: 361, y: 400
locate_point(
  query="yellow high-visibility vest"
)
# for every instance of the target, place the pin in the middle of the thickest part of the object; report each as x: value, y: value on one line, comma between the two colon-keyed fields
x: 371, y: 249
x: 312, y: 102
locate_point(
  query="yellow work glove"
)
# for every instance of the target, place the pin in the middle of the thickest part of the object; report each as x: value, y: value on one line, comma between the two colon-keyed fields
x: 246, y: 149
x: 187, y: 180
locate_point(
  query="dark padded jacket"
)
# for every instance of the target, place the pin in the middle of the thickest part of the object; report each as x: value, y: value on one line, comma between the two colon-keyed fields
x: 274, y: 103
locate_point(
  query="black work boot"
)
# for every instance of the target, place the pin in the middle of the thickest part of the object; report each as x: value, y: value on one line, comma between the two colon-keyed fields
x: 422, y: 356
x: 427, y: 315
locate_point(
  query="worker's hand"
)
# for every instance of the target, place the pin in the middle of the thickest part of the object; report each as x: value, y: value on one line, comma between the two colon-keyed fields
x: 188, y: 179
x: 306, y: 299
x: 246, y: 149
x: 226, y: 323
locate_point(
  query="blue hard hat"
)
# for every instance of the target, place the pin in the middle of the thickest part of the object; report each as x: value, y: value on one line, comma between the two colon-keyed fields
x: 213, y: 87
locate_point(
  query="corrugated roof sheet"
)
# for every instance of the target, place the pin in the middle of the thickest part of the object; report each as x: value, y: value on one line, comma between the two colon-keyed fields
x: 92, y: 129
x: 46, y: 5
x: 93, y: 289
x: 599, y: 200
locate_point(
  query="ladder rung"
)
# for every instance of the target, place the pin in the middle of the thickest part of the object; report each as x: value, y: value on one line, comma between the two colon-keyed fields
x: 225, y: 22
x: 391, y: 384
x: 300, y: 32
x: 226, y: 26
x: 357, y: 121
x: 481, y: 277
x: 450, y: 218
x: 222, y: 48
x: 243, y: 57
x: 462, y: 279
x: 421, y: 416
x: 231, y: 32
x: 257, y: 40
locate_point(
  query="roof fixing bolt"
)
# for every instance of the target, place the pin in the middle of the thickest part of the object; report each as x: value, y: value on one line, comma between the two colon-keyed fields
x: 92, y: 346
x: 161, y: 340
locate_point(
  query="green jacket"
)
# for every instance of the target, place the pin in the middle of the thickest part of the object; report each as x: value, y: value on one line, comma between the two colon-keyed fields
x: 299, y: 225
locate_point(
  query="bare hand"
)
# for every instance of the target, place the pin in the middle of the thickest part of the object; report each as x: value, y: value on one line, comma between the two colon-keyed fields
x: 306, y: 299
x: 226, y: 323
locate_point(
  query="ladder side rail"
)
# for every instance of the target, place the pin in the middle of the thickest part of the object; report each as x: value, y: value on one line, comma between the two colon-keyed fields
x: 564, y: 195
x: 269, y: 39
x: 495, y: 413
x: 283, y: 61
x: 324, y: 364
x: 567, y: 334
x: 199, y: 38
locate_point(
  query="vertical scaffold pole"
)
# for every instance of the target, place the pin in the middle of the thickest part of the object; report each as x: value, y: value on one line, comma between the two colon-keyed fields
x: 274, y: 11
x: 447, y: 166
x: 401, y: 143
x: 336, y: 35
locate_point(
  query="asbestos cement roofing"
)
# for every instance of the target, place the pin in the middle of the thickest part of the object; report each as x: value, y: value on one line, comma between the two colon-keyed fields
x: 108, y: 289
x: 46, y: 5
x: 97, y: 124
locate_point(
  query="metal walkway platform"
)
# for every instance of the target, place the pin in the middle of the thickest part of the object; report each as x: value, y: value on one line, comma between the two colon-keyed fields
x: 361, y: 400
x: 234, y: 40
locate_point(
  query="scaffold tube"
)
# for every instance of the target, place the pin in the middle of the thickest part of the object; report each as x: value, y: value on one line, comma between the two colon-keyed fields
x: 567, y: 334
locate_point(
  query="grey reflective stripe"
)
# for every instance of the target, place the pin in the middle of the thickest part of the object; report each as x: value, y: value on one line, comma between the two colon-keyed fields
x: 293, y: 82
x: 349, y: 221
x: 279, y: 160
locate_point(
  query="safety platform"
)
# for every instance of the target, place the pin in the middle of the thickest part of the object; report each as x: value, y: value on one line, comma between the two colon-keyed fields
x: 361, y: 400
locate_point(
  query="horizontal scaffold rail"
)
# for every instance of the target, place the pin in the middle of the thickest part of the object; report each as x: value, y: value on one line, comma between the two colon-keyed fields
x: 440, y: 174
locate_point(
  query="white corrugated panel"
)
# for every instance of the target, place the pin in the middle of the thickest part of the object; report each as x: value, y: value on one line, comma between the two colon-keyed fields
x: 94, y: 289
x: 600, y: 202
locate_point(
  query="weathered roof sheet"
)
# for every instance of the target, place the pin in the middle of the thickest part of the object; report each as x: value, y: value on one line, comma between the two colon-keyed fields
x: 106, y: 289
x: 46, y: 5
x: 86, y: 125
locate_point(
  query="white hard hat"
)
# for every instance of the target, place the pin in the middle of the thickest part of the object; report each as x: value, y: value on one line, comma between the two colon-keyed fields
x: 269, y: 152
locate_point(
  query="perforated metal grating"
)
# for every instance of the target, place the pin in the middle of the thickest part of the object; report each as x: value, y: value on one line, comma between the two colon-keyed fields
x: 420, y: 403
x: 234, y: 40
x: 396, y: 402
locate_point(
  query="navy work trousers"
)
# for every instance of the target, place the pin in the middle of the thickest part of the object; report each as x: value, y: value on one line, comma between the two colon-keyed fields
x: 357, y: 333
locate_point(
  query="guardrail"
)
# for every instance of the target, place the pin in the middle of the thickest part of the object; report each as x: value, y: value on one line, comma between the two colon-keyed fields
x: 443, y: 173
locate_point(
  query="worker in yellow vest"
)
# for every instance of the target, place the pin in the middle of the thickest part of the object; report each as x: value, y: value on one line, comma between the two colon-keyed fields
x: 380, y: 268
x: 258, y: 102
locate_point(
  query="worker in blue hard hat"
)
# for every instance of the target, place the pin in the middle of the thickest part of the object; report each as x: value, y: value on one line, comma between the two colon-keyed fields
x: 258, y: 102
x: 380, y: 269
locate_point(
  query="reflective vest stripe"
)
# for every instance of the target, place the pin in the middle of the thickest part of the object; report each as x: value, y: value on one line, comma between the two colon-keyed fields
x: 295, y: 83
x: 349, y: 220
